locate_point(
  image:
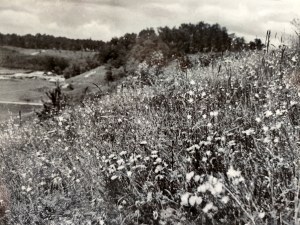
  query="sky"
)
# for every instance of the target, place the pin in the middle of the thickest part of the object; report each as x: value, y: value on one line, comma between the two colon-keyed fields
x: 104, y: 19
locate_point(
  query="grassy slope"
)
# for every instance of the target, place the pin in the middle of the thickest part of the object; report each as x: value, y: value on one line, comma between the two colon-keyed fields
x: 75, y: 55
x: 216, y: 145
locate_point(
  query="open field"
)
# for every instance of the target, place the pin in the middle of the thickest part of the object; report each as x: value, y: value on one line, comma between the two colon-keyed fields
x: 33, y: 90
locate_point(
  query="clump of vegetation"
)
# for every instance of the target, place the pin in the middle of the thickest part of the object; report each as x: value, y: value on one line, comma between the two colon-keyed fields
x: 57, y: 101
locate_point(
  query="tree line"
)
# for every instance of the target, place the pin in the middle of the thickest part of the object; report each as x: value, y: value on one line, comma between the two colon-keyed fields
x: 44, y: 41
x: 177, y: 41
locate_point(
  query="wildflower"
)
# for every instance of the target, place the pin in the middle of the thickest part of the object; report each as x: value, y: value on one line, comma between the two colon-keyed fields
x: 249, y: 132
x: 189, y: 176
x: 114, y: 177
x: 214, y: 113
x: 261, y: 215
x: 268, y: 113
x: 123, y: 153
x: 185, y: 199
x: 265, y: 128
x: 225, y: 199
x: 191, y: 100
x: 276, y: 140
x: 191, y: 93
x: 257, y: 119
x: 233, y: 173
x: 143, y: 142
x: 208, y: 207
x: 129, y: 173
x: 293, y: 103
x: 149, y: 197
x: 193, y: 148
x: 280, y: 112
x: 189, y: 117
x: 208, y: 153
x: 192, y: 82
x: 158, y: 169
x: 197, y: 178
x: 192, y: 200
x: 203, y: 187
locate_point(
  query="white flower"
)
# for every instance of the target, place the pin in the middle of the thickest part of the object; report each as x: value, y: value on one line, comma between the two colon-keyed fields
x: 225, y: 199
x: 189, y: 176
x: 249, y: 132
x: 268, y: 113
x: 218, y: 188
x: 192, y: 82
x: 149, y: 197
x: 191, y: 93
x: 233, y: 173
x: 120, y: 161
x: 189, y: 117
x: 214, y: 113
x: 203, y: 187
x: 158, y: 169
x: 114, y: 177
x: 198, y: 200
x: 129, y: 173
x: 197, y: 178
x: 193, y: 148
x: 191, y: 100
x: 143, y: 142
x: 280, y: 112
x: 123, y: 153
x: 208, y: 207
x: 119, y: 120
x: 261, y: 215
x: 293, y: 103
x: 265, y: 128
x: 185, y: 199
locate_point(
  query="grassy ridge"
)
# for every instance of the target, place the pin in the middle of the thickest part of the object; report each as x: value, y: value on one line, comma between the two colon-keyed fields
x: 206, y: 145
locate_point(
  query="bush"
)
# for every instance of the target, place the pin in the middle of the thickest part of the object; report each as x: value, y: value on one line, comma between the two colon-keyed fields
x: 57, y: 102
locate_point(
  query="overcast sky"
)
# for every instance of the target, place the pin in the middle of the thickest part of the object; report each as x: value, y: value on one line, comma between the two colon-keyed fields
x: 104, y: 19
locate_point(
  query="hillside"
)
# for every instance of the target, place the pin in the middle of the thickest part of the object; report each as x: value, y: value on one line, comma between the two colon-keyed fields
x: 199, y: 145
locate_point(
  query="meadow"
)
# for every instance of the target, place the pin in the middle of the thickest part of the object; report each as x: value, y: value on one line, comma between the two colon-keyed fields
x: 172, y: 145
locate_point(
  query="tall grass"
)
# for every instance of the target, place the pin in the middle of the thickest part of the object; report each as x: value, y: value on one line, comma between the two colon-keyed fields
x: 206, y: 145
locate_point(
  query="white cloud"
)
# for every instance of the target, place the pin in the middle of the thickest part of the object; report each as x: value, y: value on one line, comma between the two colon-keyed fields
x: 103, y: 19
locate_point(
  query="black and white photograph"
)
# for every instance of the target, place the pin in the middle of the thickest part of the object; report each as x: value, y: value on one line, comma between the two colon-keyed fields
x: 149, y: 112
